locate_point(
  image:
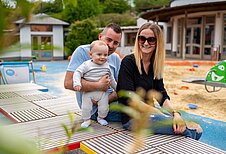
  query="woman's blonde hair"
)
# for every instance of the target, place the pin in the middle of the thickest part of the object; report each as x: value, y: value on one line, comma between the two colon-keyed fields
x: 159, y: 53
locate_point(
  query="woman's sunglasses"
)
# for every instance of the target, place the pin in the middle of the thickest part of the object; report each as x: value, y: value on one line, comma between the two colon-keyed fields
x: 151, y: 40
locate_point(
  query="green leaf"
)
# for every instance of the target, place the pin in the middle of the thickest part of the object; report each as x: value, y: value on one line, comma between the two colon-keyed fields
x: 68, y: 133
x: 71, y: 117
x: 125, y: 109
x: 116, y: 107
x: 129, y: 94
x: 88, y: 129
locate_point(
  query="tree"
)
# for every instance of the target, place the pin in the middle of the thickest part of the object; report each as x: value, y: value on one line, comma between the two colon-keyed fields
x: 83, y: 10
x: 141, y: 5
x: 50, y: 7
x: 125, y: 19
x: 82, y: 32
x: 115, y: 6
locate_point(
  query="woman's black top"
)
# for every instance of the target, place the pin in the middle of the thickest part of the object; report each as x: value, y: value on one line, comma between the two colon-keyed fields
x: 130, y: 79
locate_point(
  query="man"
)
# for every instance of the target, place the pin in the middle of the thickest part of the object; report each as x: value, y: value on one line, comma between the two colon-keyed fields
x: 111, y: 35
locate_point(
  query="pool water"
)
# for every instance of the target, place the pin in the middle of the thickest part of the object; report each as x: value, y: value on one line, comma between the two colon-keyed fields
x: 53, y: 78
x: 4, y: 120
x: 214, y: 131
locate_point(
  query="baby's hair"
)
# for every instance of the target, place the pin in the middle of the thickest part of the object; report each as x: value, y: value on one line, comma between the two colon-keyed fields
x: 97, y: 42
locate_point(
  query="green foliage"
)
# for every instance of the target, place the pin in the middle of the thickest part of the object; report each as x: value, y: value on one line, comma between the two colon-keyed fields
x: 49, y: 7
x: 12, y: 143
x: 115, y: 6
x: 145, y: 4
x: 73, y: 128
x: 125, y: 19
x: 9, y: 13
x: 81, y: 32
x: 139, y: 112
x: 83, y: 10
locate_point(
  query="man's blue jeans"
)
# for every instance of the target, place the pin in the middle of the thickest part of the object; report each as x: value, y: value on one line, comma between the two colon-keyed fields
x: 158, y: 127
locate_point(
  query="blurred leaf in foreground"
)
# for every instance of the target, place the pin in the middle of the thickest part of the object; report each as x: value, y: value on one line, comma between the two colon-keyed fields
x: 140, y: 112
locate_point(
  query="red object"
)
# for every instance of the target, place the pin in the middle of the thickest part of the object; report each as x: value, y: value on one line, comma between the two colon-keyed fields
x: 192, y: 69
x: 175, y: 93
x: 184, y: 87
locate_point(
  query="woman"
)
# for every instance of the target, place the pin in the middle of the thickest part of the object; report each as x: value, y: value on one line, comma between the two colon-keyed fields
x: 144, y: 69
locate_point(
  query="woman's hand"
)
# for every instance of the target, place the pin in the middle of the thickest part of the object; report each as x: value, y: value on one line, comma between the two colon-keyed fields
x: 179, y: 125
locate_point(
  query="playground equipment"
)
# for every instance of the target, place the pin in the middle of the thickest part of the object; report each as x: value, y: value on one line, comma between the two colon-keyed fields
x: 16, y: 72
x: 215, y: 78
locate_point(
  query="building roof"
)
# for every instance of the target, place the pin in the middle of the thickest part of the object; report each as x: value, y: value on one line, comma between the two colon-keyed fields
x: 42, y: 19
x: 165, y: 14
x: 187, y: 2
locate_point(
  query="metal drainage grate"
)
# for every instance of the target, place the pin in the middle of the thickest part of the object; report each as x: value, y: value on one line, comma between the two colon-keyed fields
x: 5, y: 95
x: 39, y: 97
x: 31, y: 114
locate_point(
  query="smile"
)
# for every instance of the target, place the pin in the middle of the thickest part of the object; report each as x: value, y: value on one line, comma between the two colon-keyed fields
x: 216, y: 77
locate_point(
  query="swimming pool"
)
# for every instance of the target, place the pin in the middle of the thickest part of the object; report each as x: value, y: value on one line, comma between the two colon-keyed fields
x: 214, y: 131
x: 4, y: 120
x: 53, y: 78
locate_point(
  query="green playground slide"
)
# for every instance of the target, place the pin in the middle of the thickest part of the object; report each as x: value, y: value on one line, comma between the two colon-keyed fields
x: 217, y: 73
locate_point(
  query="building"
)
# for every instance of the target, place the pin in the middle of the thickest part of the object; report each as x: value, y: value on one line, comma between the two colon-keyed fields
x: 128, y: 39
x: 41, y: 38
x: 195, y: 29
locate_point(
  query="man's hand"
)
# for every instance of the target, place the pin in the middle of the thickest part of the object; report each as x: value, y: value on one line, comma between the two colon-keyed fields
x: 178, y: 124
x: 104, y: 83
x: 77, y: 88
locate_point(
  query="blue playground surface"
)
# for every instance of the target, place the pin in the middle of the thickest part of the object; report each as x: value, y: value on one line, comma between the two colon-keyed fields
x: 214, y: 131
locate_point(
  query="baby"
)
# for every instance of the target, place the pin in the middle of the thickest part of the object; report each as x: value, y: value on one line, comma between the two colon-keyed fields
x: 93, y: 70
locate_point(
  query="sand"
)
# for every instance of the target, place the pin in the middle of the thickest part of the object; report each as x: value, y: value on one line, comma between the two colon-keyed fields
x: 211, y: 105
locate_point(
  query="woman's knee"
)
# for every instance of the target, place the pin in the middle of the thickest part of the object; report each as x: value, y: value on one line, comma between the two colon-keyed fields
x: 194, y: 129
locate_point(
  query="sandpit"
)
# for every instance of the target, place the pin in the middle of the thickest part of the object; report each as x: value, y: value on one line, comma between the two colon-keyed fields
x: 211, y: 105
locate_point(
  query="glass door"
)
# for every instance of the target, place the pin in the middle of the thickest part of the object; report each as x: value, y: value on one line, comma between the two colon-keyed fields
x: 193, y: 38
x: 42, y: 48
x: 208, y: 36
x: 223, y: 54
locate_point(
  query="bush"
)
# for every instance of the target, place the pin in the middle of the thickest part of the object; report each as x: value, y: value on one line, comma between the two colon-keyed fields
x: 81, y: 32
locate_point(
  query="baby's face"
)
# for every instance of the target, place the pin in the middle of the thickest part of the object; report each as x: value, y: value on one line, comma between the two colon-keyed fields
x: 99, y: 54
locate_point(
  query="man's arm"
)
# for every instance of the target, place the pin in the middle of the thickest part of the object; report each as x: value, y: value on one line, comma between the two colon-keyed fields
x: 87, y: 86
x: 68, y: 82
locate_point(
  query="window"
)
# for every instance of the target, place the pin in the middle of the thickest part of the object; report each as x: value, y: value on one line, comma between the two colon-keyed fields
x: 130, y: 39
x: 197, y: 35
x: 188, y: 35
x: 41, y: 28
x: 210, y: 19
x: 209, y: 34
x: 169, y: 35
x: 224, y: 36
x: 194, y: 21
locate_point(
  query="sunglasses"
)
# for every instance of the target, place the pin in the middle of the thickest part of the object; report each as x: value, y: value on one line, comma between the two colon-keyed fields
x: 151, y: 40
